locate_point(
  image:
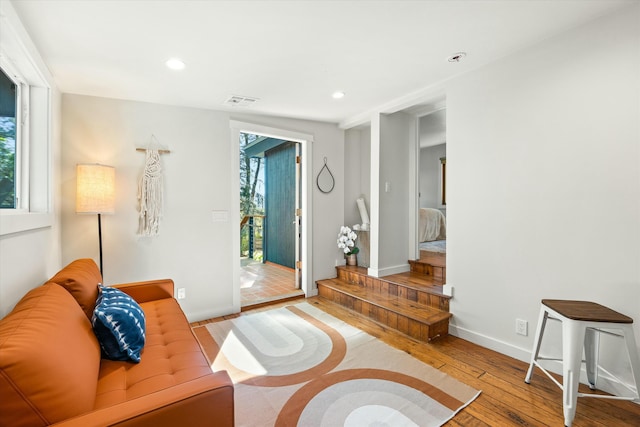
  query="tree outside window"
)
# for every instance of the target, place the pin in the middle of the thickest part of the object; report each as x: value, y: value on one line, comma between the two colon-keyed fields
x: 8, y: 102
x: 251, y: 196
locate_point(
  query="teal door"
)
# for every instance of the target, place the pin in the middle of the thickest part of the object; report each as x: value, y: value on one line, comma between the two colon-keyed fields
x: 280, y: 204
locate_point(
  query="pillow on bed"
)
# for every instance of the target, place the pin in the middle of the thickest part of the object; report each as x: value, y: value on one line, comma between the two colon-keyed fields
x: 119, y: 324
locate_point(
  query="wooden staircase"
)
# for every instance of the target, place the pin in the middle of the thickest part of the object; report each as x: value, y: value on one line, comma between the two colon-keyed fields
x: 412, y: 302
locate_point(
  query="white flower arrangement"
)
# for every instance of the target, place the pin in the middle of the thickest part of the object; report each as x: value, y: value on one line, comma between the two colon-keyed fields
x: 347, y: 241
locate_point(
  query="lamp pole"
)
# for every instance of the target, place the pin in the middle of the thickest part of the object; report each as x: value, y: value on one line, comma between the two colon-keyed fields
x: 100, y: 240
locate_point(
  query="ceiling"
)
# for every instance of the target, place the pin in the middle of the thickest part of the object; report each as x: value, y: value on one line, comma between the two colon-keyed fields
x: 291, y: 55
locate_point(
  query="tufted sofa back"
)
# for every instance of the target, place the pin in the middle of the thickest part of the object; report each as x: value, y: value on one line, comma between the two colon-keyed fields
x: 47, y: 332
x: 80, y: 278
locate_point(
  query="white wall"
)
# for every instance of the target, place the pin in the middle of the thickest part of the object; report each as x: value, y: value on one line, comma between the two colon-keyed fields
x: 543, y: 151
x: 352, y: 174
x: 191, y: 248
x: 433, y: 128
x: 397, y: 144
x: 430, y: 179
x: 357, y: 167
x: 365, y: 166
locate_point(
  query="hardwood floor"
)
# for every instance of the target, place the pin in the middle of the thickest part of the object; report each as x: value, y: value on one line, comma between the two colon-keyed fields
x: 505, y: 399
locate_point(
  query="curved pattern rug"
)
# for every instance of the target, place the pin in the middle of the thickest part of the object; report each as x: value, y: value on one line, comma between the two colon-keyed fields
x: 299, y: 366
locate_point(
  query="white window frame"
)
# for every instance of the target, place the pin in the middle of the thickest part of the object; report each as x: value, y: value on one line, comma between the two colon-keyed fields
x: 21, y: 175
x: 20, y: 59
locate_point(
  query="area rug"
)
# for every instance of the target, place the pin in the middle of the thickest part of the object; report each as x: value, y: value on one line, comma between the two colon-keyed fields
x: 299, y: 366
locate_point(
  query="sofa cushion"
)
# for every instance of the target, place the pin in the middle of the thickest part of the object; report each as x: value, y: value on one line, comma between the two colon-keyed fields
x: 171, y: 356
x: 81, y: 279
x: 49, y: 359
x: 119, y: 323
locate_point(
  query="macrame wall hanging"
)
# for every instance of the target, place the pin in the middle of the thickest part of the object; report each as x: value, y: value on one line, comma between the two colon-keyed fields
x: 150, y: 189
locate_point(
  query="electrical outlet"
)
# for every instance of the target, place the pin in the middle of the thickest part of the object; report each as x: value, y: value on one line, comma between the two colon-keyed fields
x: 182, y: 294
x: 447, y: 289
x: 522, y: 327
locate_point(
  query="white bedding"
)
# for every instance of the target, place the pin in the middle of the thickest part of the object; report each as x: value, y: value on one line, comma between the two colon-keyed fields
x: 432, y: 225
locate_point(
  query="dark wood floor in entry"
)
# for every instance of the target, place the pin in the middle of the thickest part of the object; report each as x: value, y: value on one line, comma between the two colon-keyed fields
x: 263, y: 283
x: 505, y: 399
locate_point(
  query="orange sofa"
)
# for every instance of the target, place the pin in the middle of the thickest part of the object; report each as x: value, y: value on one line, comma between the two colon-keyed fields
x: 51, y: 371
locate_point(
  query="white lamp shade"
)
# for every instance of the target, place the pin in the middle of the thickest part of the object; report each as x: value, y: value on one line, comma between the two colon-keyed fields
x: 96, y: 189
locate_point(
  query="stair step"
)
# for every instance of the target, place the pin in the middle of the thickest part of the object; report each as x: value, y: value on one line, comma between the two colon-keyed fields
x: 417, y: 320
x: 412, y: 309
x: 437, y: 259
x: 416, y: 281
x: 432, y: 267
x: 412, y: 286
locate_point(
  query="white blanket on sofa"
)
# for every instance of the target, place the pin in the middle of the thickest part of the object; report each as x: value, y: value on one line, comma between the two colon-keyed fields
x: 432, y: 225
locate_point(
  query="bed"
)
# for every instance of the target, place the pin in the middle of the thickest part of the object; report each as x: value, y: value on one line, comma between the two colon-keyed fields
x: 432, y: 225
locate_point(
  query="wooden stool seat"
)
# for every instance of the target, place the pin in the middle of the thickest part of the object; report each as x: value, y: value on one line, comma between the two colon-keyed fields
x: 582, y: 323
x: 586, y: 311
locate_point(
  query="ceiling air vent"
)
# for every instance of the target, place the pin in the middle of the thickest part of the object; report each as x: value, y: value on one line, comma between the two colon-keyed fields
x: 240, y: 101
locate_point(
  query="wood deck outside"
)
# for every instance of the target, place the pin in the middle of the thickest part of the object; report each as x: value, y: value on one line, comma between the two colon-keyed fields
x: 264, y: 283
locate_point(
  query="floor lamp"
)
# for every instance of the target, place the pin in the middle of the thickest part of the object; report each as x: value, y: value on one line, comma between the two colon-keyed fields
x: 95, y: 194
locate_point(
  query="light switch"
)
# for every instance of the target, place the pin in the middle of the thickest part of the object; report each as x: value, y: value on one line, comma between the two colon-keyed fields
x: 220, y: 216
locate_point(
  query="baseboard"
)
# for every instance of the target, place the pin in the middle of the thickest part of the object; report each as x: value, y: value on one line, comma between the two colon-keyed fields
x: 491, y: 343
x: 199, y: 316
x: 605, y: 383
x: 373, y: 272
x: 381, y: 272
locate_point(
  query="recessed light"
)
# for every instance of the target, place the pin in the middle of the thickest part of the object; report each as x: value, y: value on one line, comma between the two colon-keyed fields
x: 457, y: 57
x: 338, y: 95
x: 175, y: 64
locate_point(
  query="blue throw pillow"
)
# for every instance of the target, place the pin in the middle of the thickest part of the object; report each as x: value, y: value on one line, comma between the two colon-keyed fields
x: 119, y: 324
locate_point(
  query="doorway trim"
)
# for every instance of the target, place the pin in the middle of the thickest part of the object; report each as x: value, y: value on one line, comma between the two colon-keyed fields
x: 305, y: 141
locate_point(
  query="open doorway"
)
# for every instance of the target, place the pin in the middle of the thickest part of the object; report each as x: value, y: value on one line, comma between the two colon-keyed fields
x: 432, y: 223
x: 270, y: 188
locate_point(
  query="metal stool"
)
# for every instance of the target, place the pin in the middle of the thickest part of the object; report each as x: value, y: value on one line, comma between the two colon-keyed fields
x: 582, y: 321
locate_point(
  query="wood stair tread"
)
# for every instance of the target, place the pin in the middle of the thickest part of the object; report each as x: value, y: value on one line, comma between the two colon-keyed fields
x: 417, y: 281
x: 411, y: 309
x: 411, y: 280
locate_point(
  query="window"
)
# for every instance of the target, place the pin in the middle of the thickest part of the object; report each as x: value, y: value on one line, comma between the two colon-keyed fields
x: 27, y: 111
x: 9, y: 148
